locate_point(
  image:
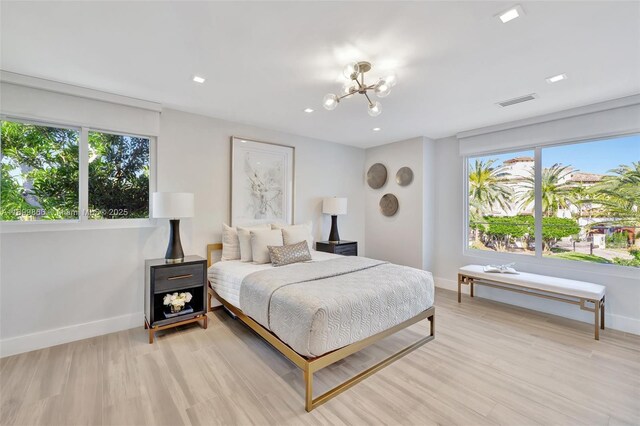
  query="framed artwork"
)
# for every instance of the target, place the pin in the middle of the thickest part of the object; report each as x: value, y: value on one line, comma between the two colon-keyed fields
x: 262, y: 182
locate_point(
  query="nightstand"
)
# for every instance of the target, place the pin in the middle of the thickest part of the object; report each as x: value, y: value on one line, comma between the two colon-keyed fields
x: 162, y: 278
x: 345, y: 248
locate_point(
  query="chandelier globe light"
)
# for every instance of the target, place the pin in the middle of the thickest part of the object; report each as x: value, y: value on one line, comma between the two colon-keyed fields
x: 355, y: 73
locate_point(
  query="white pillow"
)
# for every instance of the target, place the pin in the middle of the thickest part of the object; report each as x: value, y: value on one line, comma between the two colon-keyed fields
x: 260, y: 242
x: 292, y: 234
x: 230, y: 243
x: 244, y: 237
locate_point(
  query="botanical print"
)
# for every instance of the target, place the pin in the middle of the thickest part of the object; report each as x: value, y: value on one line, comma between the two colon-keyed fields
x: 261, y: 183
x: 264, y: 176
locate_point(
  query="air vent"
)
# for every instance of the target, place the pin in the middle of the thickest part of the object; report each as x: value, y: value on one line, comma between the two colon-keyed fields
x: 518, y: 100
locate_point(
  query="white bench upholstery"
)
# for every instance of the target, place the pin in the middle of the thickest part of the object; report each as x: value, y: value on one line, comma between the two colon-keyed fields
x: 573, y: 288
x: 580, y: 293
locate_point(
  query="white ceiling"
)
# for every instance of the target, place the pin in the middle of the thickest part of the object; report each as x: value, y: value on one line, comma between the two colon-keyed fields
x: 265, y: 62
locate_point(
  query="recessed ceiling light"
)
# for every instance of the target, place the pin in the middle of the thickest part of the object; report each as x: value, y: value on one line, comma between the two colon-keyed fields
x: 376, y: 129
x: 198, y: 79
x: 556, y: 78
x: 511, y: 14
x: 308, y: 110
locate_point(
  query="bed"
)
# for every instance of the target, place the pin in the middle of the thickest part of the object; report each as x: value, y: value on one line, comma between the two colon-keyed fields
x: 317, y: 313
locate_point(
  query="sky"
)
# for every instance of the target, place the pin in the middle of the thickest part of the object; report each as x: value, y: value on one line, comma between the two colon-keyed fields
x: 591, y: 157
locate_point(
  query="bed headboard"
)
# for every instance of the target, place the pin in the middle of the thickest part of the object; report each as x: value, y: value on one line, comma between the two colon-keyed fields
x: 214, y: 253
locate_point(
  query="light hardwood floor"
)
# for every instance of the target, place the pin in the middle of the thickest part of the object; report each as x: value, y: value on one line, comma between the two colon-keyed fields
x: 490, y: 364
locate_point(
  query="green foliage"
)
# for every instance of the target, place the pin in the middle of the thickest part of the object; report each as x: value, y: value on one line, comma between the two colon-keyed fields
x: 570, y: 255
x: 555, y: 228
x: 40, y: 166
x: 557, y: 191
x: 618, y: 195
x: 500, y: 231
x: 617, y: 240
x: 487, y: 187
x: 40, y: 174
x: 118, y: 176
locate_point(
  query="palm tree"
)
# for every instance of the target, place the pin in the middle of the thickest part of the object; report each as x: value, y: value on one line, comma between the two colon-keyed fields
x: 619, y: 194
x: 487, y: 187
x: 557, y: 191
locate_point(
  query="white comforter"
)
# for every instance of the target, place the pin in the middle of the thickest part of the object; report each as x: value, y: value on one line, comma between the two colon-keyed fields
x: 319, y: 307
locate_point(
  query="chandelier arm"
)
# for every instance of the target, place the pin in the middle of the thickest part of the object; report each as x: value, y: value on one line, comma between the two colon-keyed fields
x: 345, y: 96
x: 368, y: 98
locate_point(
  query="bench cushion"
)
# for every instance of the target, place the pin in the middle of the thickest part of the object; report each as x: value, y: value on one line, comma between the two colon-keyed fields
x: 574, y: 288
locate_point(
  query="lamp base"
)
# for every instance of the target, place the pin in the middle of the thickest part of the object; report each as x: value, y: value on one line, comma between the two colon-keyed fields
x: 174, y: 250
x: 334, y: 236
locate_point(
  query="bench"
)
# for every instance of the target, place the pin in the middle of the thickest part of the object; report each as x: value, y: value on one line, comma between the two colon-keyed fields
x: 589, y: 296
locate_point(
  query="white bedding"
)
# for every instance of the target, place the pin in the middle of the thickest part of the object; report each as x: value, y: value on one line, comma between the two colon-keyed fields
x: 226, y: 277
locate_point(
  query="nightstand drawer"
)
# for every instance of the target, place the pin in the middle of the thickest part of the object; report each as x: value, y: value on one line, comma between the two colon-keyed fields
x: 346, y: 250
x: 178, y: 277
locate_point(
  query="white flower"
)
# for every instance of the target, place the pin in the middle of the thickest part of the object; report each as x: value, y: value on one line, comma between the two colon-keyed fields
x: 167, y: 299
x: 188, y: 297
x: 174, y: 296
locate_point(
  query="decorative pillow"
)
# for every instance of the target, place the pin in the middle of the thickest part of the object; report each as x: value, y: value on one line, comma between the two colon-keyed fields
x: 291, y: 253
x: 261, y: 240
x: 292, y: 234
x: 230, y: 243
x: 244, y: 236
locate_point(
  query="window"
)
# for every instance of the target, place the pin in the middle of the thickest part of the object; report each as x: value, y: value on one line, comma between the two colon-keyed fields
x: 501, y: 207
x: 118, y: 176
x: 588, y: 195
x: 40, y: 170
x: 590, y: 198
x: 45, y: 177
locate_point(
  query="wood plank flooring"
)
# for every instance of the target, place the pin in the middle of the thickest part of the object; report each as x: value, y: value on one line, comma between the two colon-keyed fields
x: 489, y: 364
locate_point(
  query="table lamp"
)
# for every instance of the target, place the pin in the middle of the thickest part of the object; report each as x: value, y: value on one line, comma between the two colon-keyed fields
x: 334, y: 206
x: 173, y: 205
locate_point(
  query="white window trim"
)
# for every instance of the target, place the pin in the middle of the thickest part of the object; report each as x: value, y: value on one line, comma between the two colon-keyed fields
x: 537, y: 259
x: 83, y: 222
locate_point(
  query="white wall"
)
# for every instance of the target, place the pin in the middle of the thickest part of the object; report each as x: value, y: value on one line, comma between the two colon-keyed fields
x: 61, y: 286
x: 407, y: 237
x: 623, y: 290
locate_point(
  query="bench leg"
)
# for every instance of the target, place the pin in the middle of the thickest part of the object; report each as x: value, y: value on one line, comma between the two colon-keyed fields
x: 596, y: 320
x: 602, y: 314
x: 471, y: 288
x: 459, y: 287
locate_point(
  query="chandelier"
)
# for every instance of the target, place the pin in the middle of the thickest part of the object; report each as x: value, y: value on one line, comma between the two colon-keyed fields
x: 355, y: 73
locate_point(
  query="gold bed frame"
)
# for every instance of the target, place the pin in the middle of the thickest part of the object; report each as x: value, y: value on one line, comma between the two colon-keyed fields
x: 311, y: 365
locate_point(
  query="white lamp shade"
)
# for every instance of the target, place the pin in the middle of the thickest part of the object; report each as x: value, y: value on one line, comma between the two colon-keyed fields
x: 172, y: 205
x: 334, y: 206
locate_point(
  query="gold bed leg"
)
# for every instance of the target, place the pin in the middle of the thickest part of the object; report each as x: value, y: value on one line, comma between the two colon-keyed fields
x: 308, y: 381
x: 596, y: 319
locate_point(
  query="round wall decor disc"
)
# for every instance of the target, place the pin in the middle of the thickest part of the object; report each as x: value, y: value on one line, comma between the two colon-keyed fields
x: 404, y: 176
x: 377, y: 176
x: 388, y: 205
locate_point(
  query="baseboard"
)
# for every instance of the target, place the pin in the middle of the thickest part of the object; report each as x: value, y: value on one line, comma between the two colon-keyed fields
x: 57, y: 336
x: 613, y: 321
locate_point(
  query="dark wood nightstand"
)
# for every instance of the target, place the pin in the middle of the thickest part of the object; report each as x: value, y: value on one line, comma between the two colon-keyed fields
x: 161, y: 278
x: 345, y: 248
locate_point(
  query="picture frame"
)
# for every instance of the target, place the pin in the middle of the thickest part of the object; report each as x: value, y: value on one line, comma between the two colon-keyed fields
x: 262, y: 182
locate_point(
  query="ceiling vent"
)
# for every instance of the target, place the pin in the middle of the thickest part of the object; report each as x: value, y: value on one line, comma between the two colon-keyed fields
x: 518, y: 100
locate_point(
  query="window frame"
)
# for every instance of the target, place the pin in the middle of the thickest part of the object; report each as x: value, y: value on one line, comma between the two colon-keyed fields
x: 538, y: 259
x: 83, y: 221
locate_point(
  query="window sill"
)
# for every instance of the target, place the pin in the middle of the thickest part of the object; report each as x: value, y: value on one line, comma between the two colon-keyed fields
x: 547, y: 262
x: 74, y: 225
